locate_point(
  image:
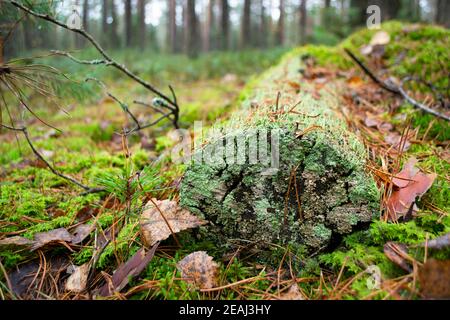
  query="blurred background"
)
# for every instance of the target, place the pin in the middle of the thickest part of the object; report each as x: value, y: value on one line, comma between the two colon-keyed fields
x: 193, y: 27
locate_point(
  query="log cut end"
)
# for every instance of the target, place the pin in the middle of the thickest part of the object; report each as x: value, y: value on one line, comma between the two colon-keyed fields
x: 317, y: 189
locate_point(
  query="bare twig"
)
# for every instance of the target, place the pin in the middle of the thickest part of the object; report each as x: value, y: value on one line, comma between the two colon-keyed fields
x: 24, y: 131
x: 396, y: 89
x: 107, y: 60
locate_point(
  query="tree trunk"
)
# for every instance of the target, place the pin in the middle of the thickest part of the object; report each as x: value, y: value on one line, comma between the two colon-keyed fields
x: 114, y: 35
x: 86, y: 15
x: 358, y: 12
x: 263, y: 26
x: 224, y: 25
x: 128, y: 24
x: 245, y: 25
x: 279, y: 37
x: 1, y: 57
x: 209, y: 27
x: 443, y: 13
x: 141, y: 23
x: 105, y: 22
x: 303, y: 22
x: 192, y: 26
x: 269, y: 177
x: 172, y: 26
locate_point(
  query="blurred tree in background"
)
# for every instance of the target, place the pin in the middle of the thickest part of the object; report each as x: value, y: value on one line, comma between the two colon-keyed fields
x: 195, y: 26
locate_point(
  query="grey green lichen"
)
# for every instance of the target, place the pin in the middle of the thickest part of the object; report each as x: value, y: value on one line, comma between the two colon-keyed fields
x: 331, y: 193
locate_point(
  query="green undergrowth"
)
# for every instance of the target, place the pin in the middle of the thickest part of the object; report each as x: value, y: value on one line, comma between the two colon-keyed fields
x: 34, y: 200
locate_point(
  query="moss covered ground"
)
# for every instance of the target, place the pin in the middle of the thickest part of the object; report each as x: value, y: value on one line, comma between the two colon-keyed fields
x: 32, y: 199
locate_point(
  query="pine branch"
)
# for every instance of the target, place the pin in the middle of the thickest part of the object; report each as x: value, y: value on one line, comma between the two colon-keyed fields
x: 107, y: 59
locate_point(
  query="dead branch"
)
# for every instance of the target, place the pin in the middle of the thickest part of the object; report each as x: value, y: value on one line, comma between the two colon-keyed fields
x: 396, y: 89
x: 127, y: 110
x: 24, y: 131
x: 106, y: 61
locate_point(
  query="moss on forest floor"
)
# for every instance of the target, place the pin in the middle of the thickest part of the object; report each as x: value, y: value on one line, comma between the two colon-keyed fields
x: 32, y: 199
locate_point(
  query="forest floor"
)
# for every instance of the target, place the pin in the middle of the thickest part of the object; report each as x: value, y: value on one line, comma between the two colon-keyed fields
x: 33, y: 201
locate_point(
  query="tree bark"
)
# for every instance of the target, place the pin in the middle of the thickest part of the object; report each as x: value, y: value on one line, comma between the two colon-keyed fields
x: 245, y: 25
x: 209, y: 27
x: 113, y: 33
x: 128, y: 24
x: 224, y: 25
x: 192, y: 27
x: 172, y: 26
x: 358, y: 11
x: 86, y: 15
x: 303, y: 22
x: 105, y: 30
x: 443, y: 13
x: 141, y: 23
x: 279, y: 37
x: 263, y: 26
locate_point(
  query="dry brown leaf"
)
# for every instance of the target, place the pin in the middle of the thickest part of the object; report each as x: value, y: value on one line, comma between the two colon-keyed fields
x: 57, y: 235
x: 394, y: 139
x: 292, y: 294
x: 81, y: 232
x: 77, y: 281
x: 155, y: 220
x: 294, y: 85
x: 15, y: 241
x: 381, y: 38
x: 199, y: 269
x: 132, y: 268
x: 403, y: 178
x: 434, y: 278
x: 403, y: 199
x: 355, y: 82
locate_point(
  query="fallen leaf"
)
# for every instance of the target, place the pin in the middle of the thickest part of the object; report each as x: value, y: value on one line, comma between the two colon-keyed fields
x: 292, y: 294
x: 403, y: 178
x: 24, y: 275
x: 396, y: 252
x: 434, y: 279
x: 44, y: 238
x: 366, y: 50
x: 355, y: 82
x: 200, y: 269
x: 403, y: 199
x: 81, y: 232
x: 155, y: 220
x: 132, y: 268
x: 294, y: 85
x: 394, y: 139
x: 15, y: 241
x: 380, y: 38
x: 77, y: 281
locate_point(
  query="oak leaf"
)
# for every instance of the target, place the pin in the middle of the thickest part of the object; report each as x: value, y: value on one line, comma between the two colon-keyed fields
x: 200, y: 269
x: 163, y: 218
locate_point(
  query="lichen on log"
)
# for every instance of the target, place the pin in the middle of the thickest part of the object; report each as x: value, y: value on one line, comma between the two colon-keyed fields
x: 319, y: 188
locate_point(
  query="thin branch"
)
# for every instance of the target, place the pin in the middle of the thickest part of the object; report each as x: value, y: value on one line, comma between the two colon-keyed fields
x: 377, y: 80
x: 53, y: 170
x: 104, y: 54
x: 127, y: 110
x: 396, y: 89
x: 421, y: 106
x: 71, y: 57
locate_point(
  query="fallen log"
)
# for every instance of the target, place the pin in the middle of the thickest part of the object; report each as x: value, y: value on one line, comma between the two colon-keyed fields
x: 284, y: 168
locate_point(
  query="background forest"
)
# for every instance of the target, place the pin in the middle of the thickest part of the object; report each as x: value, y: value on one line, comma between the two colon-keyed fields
x: 86, y: 135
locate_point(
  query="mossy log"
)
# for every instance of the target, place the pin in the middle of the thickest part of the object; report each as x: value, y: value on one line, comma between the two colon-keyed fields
x: 317, y: 190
